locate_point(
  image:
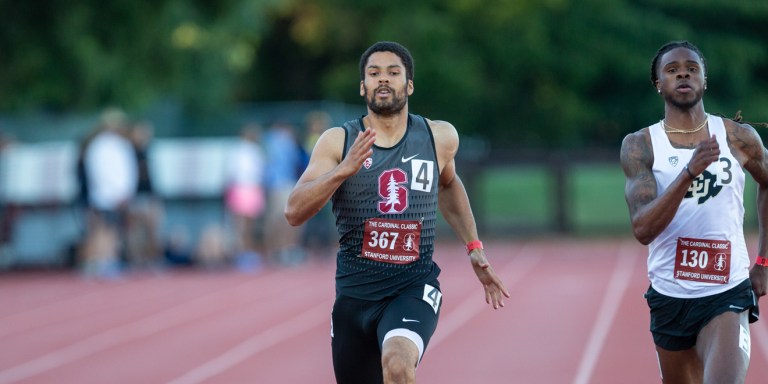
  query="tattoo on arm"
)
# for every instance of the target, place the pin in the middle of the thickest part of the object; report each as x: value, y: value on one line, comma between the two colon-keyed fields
x: 748, y: 145
x: 637, y: 162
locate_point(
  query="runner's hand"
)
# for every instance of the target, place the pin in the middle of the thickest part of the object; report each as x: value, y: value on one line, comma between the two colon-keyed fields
x: 707, y: 152
x: 360, y: 150
x: 759, y: 277
x: 494, y: 288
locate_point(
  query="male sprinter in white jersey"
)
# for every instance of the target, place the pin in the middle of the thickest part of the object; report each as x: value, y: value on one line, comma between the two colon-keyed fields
x: 684, y: 189
x: 382, y: 173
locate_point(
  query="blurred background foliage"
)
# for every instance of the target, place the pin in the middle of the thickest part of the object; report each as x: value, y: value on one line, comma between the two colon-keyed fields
x: 549, y: 74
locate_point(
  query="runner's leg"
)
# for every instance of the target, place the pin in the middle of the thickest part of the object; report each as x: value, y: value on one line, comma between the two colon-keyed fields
x: 405, y: 329
x: 355, y: 352
x: 680, y: 367
x: 724, y: 346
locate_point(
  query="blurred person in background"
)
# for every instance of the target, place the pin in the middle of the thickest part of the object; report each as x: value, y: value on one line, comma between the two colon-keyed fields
x: 214, y: 250
x: 178, y: 250
x: 111, y: 173
x: 319, y: 236
x: 284, y: 163
x: 684, y: 190
x: 143, y: 246
x: 382, y: 173
x: 8, y: 212
x: 245, y: 198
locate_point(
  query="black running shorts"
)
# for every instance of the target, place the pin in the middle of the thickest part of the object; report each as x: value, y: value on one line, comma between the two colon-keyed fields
x: 359, y: 328
x: 676, y: 323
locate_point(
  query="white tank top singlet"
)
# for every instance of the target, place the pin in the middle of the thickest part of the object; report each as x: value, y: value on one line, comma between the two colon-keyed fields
x: 702, y: 251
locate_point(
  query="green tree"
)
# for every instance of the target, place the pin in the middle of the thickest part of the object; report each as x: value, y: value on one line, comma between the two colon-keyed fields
x: 522, y: 73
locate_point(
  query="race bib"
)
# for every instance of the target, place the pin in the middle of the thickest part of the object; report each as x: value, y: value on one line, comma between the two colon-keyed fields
x: 391, y: 241
x: 707, y: 261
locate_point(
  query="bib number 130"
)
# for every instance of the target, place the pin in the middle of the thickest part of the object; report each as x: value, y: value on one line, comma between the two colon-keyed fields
x: 694, y: 258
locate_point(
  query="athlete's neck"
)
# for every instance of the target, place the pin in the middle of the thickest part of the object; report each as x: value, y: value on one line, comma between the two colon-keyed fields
x: 684, y: 119
x: 389, y: 129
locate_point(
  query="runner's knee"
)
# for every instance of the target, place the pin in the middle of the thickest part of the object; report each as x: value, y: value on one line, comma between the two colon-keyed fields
x: 399, y: 358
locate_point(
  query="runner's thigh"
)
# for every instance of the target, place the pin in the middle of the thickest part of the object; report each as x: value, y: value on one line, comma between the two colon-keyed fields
x: 413, y: 315
x: 356, y: 354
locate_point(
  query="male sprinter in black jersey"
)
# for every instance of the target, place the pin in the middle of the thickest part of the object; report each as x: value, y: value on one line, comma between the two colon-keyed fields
x: 382, y: 173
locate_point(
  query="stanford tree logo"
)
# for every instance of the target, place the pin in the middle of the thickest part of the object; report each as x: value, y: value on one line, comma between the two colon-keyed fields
x: 392, y: 191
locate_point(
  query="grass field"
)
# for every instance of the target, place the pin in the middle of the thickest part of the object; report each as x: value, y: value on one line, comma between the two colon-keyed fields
x: 523, y: 197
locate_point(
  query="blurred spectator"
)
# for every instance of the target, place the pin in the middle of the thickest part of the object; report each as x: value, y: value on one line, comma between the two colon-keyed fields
x: 319, y: 236
x: 110, y: 174
x: 214, y: 250
x: 8, y: 212
x: 178, y: 250
x: 245, y: 195
x: 284, y: 164
x: 75, y: 254
x: 145, y: 210
x: 316, y: 122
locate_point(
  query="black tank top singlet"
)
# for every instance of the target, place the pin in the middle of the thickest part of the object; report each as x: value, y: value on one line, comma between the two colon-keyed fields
x: 396, y: 183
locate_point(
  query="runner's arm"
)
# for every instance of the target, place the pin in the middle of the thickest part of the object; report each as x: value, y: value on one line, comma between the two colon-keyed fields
x: 748, y: 145
x: 455, y: 207
x: 325, y: 173
x: 649, y: 212
x: 452, y: 197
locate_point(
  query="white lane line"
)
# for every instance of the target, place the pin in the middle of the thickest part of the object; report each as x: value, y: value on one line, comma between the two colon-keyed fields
x: 158, y: 322
x: 50, y: 313
x: 39, y: 316
x: 474, y: 304
x: 611, y: 301
x: 257, y: 343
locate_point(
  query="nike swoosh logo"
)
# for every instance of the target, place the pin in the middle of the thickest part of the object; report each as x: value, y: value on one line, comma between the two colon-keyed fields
x: 410, y: 320
x: 407, y: 159
x: 735, y: 307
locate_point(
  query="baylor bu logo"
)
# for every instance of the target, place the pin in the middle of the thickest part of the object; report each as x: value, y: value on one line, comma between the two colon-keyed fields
x: 392, y: 191
x: 709, y: 185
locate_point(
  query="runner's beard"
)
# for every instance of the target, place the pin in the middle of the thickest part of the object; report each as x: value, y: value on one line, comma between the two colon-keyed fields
x: 388, y: 107
x: 683, y: 103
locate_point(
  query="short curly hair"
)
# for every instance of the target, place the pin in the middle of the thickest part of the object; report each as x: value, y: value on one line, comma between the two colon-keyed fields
x: 388, y: 46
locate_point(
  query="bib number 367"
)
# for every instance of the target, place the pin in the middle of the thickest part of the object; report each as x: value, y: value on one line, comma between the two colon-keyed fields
x: 391, y: 241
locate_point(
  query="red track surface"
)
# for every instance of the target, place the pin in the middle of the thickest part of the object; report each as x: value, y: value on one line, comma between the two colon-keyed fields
x: 576, y: 315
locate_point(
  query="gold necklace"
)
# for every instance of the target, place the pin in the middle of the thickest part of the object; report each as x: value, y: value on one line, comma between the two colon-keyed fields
x: 670, y: 129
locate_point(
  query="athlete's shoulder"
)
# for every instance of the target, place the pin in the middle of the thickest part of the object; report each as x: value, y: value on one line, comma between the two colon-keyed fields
x: 744, y: 140
x: 737, y: 127
x: 442, y: 130
x: 333, y: 134
x: 637, y: 146
x: 330, y: 143
x: 442, y: 124
x: 641, y: 136
x: 645, y: 131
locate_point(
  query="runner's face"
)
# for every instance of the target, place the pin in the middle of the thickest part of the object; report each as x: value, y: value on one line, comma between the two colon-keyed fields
x: 681, y: 78
x: 385, y: 87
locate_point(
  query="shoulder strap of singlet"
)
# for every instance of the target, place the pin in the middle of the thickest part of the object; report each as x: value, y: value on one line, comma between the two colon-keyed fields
x: 350, y: 127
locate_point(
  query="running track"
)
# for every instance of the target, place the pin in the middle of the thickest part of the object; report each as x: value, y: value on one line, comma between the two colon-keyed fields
x: 576, y: 315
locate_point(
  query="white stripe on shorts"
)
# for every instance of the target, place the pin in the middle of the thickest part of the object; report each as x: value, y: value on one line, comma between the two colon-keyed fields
x: 410, y: 335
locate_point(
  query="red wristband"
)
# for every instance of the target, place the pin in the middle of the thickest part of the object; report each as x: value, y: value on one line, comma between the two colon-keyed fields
x: 472, y: 245
x: 761, y: 261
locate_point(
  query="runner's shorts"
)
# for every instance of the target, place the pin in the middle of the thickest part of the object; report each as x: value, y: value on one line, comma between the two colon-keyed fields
x: 676, y: 323
x: 359, y: 328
